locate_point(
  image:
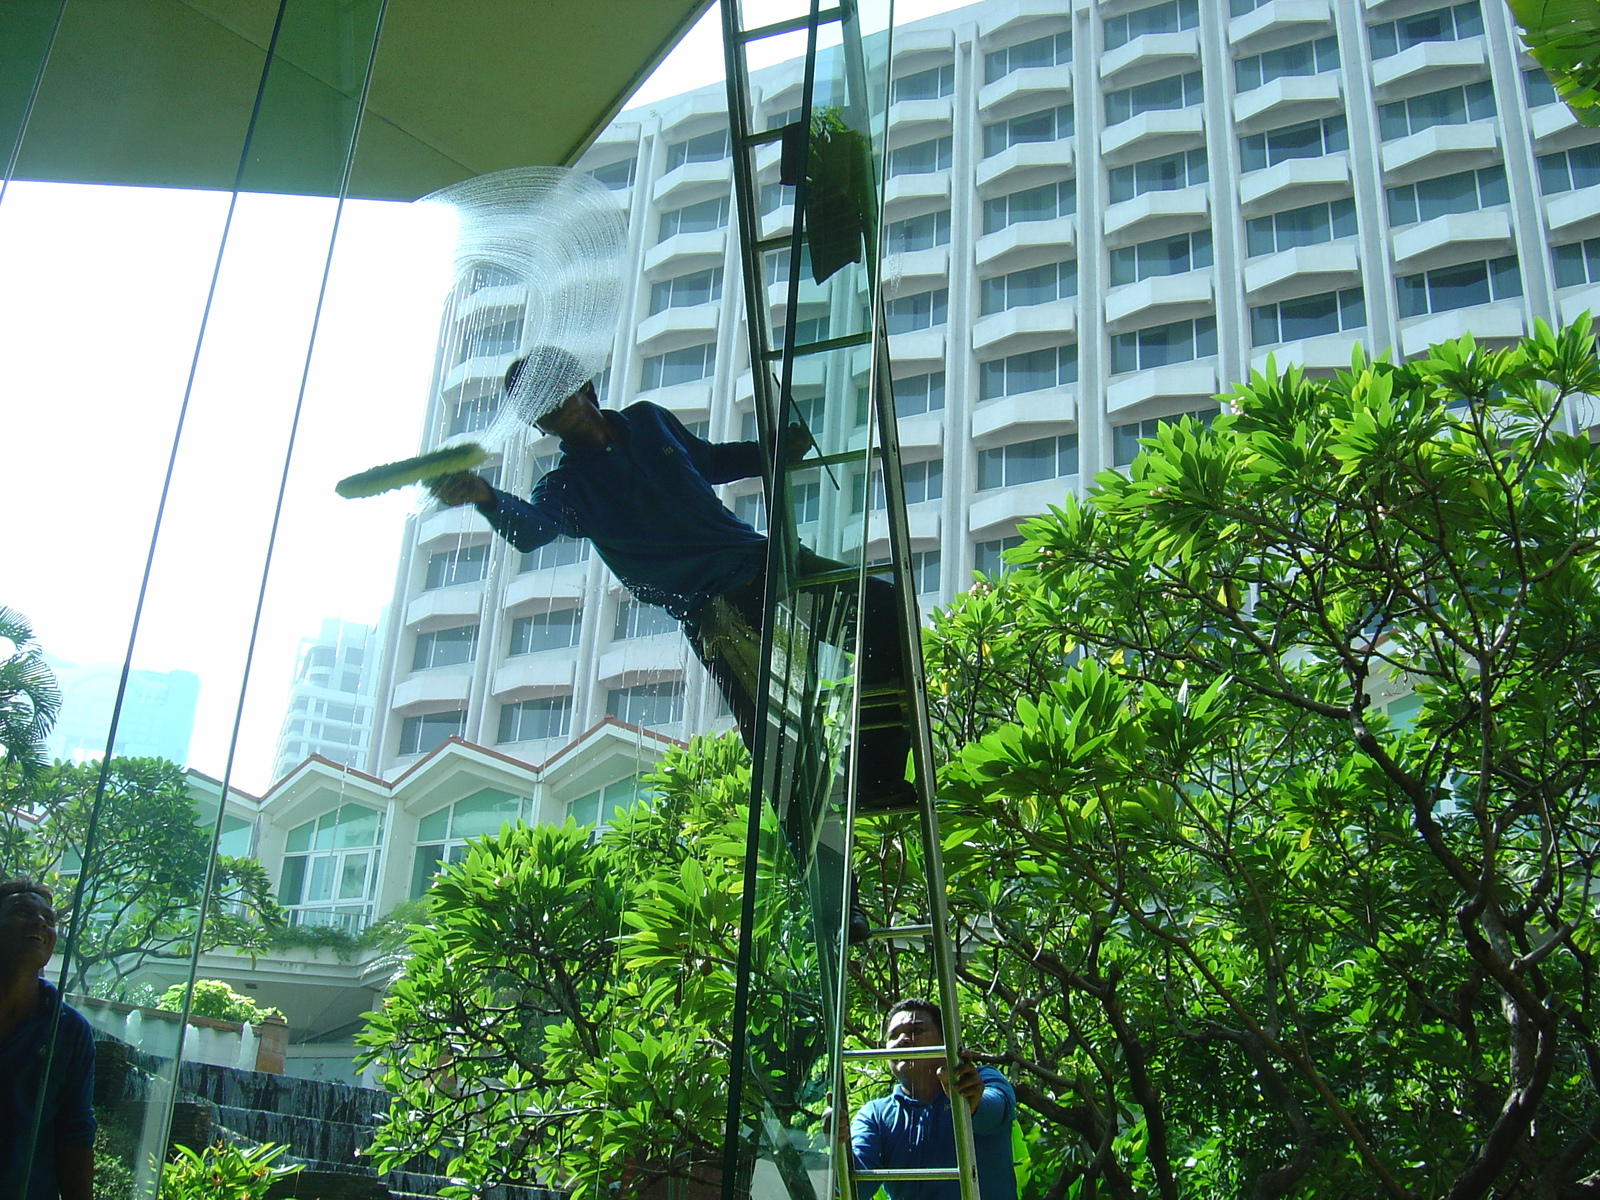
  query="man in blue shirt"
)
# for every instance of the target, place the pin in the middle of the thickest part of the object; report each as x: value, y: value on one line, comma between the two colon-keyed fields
x: 913, y: 1126
x: 639, y: 486
x: 63, y: 1152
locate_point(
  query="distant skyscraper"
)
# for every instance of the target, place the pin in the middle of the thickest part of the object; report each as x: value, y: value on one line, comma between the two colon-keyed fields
x: 330, y: 702
x: 157, y: 713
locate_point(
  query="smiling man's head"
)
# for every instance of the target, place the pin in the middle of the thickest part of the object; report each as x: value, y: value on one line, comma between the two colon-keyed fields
x: 27, y: 925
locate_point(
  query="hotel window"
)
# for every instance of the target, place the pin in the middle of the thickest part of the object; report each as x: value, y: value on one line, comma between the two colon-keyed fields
x: 600, y: 808
x: 1164, y: 256
x: 1440, y: 25
x: 1043, y: 203
x: 1537, y: 88
x: 646, y: 704
x: 1030, y: 371
x: 923, y: 481
x: 472, y: 415
x: 1163, y: 345
x: 1308, y: 226
x: 1308, y: 139
x: 1052, y: 50
x: 1047, y: 125
x: 485, y: 341
x: 330, y: 868
x: 1308, y: 317
x: 694, y: 218
x: 925, y: 566
x: 464, y: 564
x: 1171, y: 17
x: 1125, y: 438
x: 445, y: 648
x: 1569, y: 170
x: 918, y: 394
x: 1576, y: 263
x: 1446, y: 289
x: 774, y: 196
x: 698, y: 287
x: 924, y: 310
x: 561, y: 552
x: 636, y: 619
x: 1028, y: 462
x: 617, y: 175
x: 1465, y: 191
x: 917, y: 233
x: 988, y: 557
x: 442, y: 835
x: 920, y: 158
x: 420, y: 734
x: 1165, y: 174
x: 1304, y: 58
x: 931, y: 84
x: 554, y: 630
x: 688, y: 365
x: 708, y: 147
x: 1451, y: 106
x: 1178, y: 91
x: 1030, y: 286
x: 535, y: 720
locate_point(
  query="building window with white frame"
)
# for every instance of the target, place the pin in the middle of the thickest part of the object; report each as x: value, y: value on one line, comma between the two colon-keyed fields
x: 1159, y: 95
x: 918, y: 394
x: 708, y: 147
x: 1028, y: 462
x: 1030, y: 371
x: 535, y: 720
x: 442, y: 835
x: 1303, y: 58
x: 1052, y: 50
x: 1162, y: 256
x: 920, y: 158
x: 688, y: 365
x: 1445, y: 289
x: 1043, y: 203
x: 1449, y: 106
x: 1163, y: 345
x: 988, y: 558
x: 1569, y: 170
x: 1168, y: 173
x: 1029, y: 286
x: 1462, y: 192
x: 917, y: 233
x: 925, y: 571
x: 557, y: 629
x: 933, y: 84
x: 1046, y: 125
x: 1308, y: 226
x: 686, y: 291
x: 922, y: 310
x: 636, y: 619
x: 561, y: 552
x: 445, y: 648
x: 1171, y: 17
x: 617, y: 176
x: 600, y: 808
x: 1449, y: 24
x: 429, y: 731
x: 647, y: 704
x: 1576, y: 263
x: 330, y: 868
x: 703, y: 217
x: 464, y: 564
x: 1308, y: 317
x: 1306, y: 139
x: 1537, y: 89
x: 1125, y: 439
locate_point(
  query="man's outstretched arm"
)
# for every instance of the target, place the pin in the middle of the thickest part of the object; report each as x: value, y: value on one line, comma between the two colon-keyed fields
x: 526, y: 524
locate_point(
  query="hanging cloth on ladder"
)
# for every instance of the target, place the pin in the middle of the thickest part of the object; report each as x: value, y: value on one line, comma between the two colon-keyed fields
x: 838, y: 189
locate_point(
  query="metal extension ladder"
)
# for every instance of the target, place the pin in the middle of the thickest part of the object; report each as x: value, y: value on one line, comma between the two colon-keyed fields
x: 819, y: 357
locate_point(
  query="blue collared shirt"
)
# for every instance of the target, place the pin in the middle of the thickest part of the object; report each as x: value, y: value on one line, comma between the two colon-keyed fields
x: 68, y: 1118
x: 645, y: 500
x: 897, y: 1131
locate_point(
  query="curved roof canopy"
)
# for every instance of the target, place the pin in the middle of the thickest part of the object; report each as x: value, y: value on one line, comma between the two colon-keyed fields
x: 158, y: 93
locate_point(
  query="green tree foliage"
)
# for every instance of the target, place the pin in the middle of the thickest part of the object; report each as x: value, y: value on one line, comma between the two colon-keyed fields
x: 222, y: 1172
x: 215, y: 999
x: 1564, y: 37
x: 562, y: 1014
x: 147, y: 870
x: 1231, y: 927
x: 29, y: 697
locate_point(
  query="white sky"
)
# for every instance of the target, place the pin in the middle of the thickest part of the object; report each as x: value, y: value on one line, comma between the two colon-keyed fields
x: 99, y: 320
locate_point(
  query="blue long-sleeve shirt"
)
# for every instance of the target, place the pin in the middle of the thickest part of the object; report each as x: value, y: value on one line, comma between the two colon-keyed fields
x: 897, y: 1131
x: 67, y: 1119
x: 645, y: 501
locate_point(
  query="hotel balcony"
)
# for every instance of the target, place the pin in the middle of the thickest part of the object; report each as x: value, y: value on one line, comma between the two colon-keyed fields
x: 1573, y: 214
x: 920, y: 265
x: 1031, y: 327
x: 685, y: 252
x: 1152, y: 56
x: 643, y: 660
x: 1159, y: 299
x: 921, y: 433
x: 1295, y: 184
x: 922, y: 345
x: 1429, y: 67
x: 907, y: 189
x: 449, y: 523
x: 692, y: 182
x: 1320, y: 356
x: 508, y: 297
x: 427, y: 689
x: 1585, y: 298
x: 1025, y: 165
x: 922, y: 522
x: 1495, y: 324
x: 1153, y: 134
x: 1156, y: 215
x: 1453, y: 238
x: 1025, y: 244
x: 469, y: 379
x: 458, y: 600
x: 534, y: 591
x: 543, y: 673
x: 1288, y: 100
x: 1021, y: 418
x: 1442, y: 150
x: 1278, y: 23
x: 917, y: 120
x: 1181, y: 386
x: 1302, y: 271
x: 1025, y: 90
x: 1002, y: 509
x: 1554, y: 127
x: 674, y: 328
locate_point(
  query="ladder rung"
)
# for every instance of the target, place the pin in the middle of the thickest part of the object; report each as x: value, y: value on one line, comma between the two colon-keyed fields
x: 902, y: 931
x: 792, y: 25
x: 844, y: 341
x: 777, y: 241
x: 869, y: 726
x: 902, y: 1052
x: 879, y: 693
x: 828, y: 460
x: 823, y: 578
x: 765, y: 137
x: 906, y: 1174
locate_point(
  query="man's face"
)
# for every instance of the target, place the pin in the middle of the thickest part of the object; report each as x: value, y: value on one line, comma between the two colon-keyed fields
x: 27, y: 930
x: 569, y: 415
x: 907, y: 1028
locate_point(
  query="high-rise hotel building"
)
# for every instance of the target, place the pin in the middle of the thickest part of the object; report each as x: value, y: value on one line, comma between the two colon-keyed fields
x: 1098, y: 217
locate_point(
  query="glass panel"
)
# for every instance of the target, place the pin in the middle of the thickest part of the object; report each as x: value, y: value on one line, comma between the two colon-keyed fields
x: 353, y: 876
x: 484, y: 813
x: 434, y: 827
